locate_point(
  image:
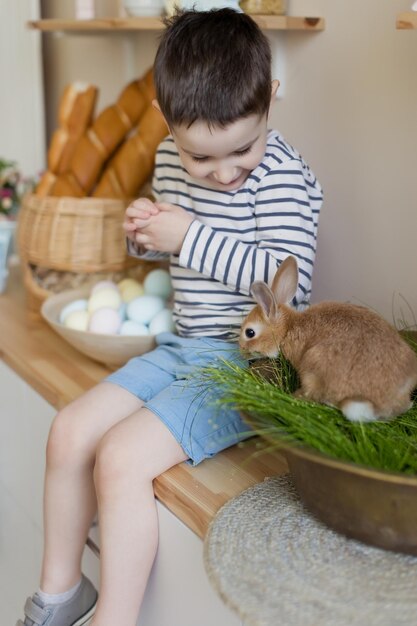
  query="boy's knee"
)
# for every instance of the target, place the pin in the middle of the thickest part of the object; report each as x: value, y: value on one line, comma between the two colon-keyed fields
x: 120, y: 458
x: 65, y: 442
x: 112, y: 459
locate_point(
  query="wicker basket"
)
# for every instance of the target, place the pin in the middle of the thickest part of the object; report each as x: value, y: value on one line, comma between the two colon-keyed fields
x: 72, y: 234
x: 83, y: 236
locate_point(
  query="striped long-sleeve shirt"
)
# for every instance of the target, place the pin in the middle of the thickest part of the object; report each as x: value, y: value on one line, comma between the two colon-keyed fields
x: 237, y: 236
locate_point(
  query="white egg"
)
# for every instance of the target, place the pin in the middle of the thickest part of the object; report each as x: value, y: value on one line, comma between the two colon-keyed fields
x: 105, y: 321
x: 75, y: 305
x: 77, y: 320
x: 132, y: 328
x: 144, y: 308
x: 103, y: 284
x: 162, y: 323
x: 130, y: 289
x: 108, y: 298
x: 158, y: 283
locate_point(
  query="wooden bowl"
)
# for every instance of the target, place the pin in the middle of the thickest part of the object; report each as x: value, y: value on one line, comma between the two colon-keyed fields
x: 373, y: 506
x: 112, y: 350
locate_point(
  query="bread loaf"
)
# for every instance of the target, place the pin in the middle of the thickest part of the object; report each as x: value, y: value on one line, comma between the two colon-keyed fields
x: 133, y: 163
x: 66, y: 185
x: 102, y: 138
x: 74, y: 116
x: 44, y: 186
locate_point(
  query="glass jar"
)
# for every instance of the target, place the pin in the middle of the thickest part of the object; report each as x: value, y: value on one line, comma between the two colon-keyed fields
x: 264, y: 7
x: 84, y: 9
x: 199, y: 5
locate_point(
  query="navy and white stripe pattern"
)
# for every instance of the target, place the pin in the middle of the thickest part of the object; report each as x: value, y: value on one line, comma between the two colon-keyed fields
x: 237, y: 237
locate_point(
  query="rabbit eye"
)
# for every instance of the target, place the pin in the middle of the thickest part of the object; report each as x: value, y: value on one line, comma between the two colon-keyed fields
x: 250, y: 333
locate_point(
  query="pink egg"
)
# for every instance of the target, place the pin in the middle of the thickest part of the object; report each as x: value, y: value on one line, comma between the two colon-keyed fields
x: 105, y: 321
x: 103, y: 284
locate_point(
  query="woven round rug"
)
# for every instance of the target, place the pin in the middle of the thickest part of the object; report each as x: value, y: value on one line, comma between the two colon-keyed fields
x: 275, y: 564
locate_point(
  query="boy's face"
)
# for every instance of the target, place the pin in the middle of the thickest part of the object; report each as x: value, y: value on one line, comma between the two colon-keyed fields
x: 222, y: 158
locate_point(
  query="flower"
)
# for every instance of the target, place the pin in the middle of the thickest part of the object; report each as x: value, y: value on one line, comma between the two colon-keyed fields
x: 12, y: 188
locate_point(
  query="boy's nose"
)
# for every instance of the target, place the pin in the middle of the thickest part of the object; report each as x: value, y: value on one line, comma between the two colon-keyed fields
x: 225, y: 175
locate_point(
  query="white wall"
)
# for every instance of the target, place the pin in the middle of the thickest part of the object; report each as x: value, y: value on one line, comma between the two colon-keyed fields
x: 350, y: 107
x: 21, y: 100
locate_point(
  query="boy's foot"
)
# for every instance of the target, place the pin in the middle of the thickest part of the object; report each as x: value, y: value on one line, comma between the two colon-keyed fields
x: 76, y: 611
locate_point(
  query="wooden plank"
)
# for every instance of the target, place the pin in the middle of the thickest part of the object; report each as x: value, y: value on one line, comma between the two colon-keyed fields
x: 104, y: 24
x: 266, y: 22
x: 289, y: 22
x: 60, y: 373
x: 407, y: 21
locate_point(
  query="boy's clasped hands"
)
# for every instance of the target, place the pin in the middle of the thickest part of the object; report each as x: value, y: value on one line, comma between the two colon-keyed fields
x: 156, y: 226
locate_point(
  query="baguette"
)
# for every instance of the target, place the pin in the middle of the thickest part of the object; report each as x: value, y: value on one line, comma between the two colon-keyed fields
x: 74, y: 116
x: 100, y: 141
x: 45, y: 184
x: 133, y: 163
x: 66, y: 185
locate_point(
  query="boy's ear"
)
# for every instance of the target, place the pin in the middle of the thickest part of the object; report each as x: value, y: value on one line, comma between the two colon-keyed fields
x: 274, y: 89
x: 156, y: 106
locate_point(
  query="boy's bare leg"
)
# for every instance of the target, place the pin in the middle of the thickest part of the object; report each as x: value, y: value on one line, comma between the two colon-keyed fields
x: 69, y: 500
x: 129, y: 457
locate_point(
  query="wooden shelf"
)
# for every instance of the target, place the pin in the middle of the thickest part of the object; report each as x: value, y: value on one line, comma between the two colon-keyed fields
x: 407, y: 21
x: 117, y: 24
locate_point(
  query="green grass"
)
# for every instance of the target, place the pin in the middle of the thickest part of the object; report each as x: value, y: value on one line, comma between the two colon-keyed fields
x: 278, y: 416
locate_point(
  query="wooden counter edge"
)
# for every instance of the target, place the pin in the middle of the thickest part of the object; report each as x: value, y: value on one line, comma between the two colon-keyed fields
x: 46, y: 362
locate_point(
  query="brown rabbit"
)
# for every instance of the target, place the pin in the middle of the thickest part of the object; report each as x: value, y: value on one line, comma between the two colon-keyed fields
x: 345, y: 355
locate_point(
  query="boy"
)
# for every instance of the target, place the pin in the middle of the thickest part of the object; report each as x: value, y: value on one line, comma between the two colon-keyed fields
x: 232, y: 201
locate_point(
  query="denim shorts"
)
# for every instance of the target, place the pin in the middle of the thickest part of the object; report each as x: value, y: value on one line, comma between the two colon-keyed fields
x: 168, y: 380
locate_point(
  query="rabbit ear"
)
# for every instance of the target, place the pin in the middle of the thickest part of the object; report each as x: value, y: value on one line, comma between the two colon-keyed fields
x: 264, y: 297
x: 285, y: 283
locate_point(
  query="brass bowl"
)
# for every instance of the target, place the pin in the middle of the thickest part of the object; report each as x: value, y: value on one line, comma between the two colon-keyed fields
x: 373, y: 506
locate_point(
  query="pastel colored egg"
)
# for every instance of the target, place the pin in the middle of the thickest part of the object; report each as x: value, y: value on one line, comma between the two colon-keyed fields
x: 105, y: 321
x: 144, y: 308
x: 123, y: 311
x: 158, y: 283
x: 162, y: 323
x: 133, y: 328
x: 75, y: 305
x: 104, y: 298
x: 130, y: 289
x: 103, y: 284
x: 77, y: 320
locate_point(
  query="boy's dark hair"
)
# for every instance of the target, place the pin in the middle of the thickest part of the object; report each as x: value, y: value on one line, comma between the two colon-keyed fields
x: 213, y: 66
